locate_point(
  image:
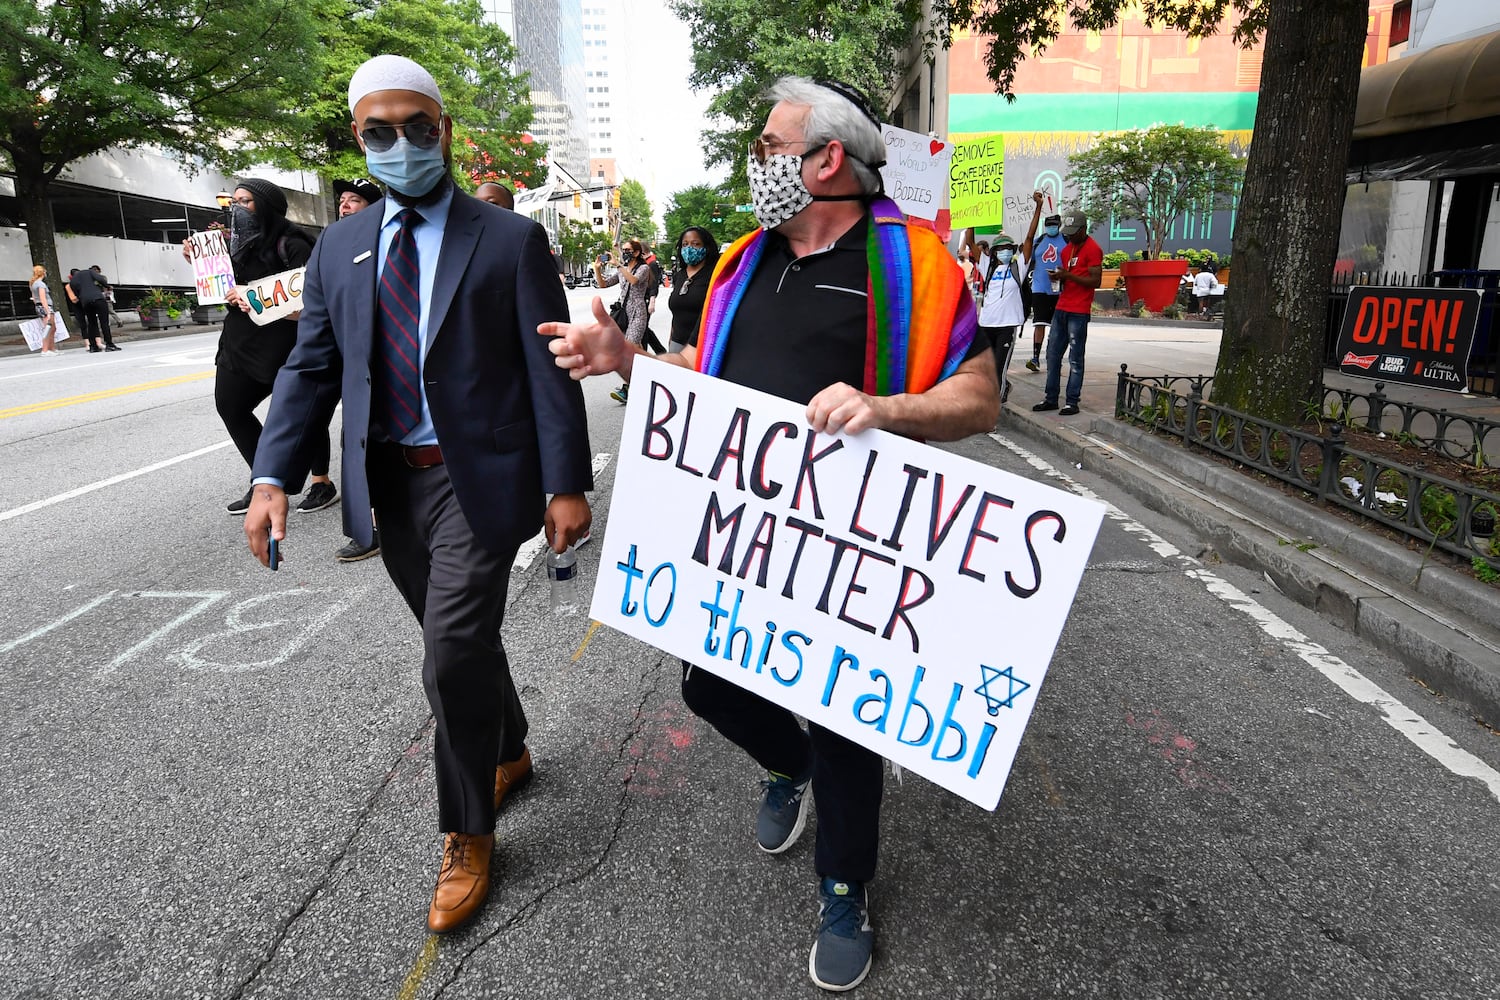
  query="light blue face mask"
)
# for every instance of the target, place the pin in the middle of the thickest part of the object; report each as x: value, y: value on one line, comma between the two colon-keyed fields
x: 1053, y: 230
x: 1004, y: 256
x: 693, y: 255
x: 406, y: 169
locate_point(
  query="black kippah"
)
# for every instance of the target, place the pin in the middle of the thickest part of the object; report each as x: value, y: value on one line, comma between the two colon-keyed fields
x: 852, y: 95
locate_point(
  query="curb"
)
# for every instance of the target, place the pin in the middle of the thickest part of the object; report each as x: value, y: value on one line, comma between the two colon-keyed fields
x: 124, y: 334
x: 1427, y: 615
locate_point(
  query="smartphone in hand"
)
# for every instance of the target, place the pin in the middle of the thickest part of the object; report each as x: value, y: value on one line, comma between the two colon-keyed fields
x: 275, y: 551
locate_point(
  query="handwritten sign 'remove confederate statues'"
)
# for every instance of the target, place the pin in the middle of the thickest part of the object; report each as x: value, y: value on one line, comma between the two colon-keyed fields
x: 213, y: 271
x: 1420, y: 336
x: 905, y: 597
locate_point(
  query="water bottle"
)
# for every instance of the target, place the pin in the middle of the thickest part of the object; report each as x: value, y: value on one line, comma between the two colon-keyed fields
x: 562, y: 571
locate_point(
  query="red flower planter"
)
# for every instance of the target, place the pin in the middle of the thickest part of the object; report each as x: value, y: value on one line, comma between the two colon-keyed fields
x: 1155, y: 281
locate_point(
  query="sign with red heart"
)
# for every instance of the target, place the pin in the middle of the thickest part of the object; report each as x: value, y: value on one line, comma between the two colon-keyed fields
x: 916, y: 171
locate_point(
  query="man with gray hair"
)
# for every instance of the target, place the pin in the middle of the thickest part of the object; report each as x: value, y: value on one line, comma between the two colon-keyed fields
x: 790, y: 312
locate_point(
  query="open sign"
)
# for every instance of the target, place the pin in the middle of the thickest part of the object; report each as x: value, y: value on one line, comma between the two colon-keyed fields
x: 1419, y: 336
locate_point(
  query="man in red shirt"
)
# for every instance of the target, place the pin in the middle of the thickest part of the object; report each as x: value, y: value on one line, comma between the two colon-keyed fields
x: 1080, y: 272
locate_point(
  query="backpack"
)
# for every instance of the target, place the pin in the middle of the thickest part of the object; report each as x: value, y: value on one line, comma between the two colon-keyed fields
x: 281, y: 254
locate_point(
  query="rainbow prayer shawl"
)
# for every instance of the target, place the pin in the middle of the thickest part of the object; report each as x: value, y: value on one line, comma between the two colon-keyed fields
x: 921, y: 320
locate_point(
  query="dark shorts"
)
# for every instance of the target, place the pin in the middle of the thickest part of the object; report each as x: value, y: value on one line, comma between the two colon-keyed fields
x: 1042, y: 308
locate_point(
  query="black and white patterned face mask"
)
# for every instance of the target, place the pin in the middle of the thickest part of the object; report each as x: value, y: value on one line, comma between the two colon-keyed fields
x: 777, y: 192
x: 776, y: 189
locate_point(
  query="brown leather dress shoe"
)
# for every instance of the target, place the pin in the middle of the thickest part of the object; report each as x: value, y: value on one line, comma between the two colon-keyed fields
x: 512, y: 775
x: 463, y: 882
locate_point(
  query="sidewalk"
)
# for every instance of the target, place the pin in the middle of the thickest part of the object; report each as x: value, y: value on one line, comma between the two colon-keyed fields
x: 1441, y: 622
x: 130, y: 333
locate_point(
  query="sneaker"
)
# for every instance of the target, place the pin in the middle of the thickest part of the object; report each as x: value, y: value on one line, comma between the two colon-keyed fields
x: 1044, y: 406
x: 1032, y: 365
x: 621, y: 394
x: 841, y: 955
x: 783, y: 812
x: 241, y: 505
x: 1067, y: 411
x: 318, y: 496
x: 354, y: 552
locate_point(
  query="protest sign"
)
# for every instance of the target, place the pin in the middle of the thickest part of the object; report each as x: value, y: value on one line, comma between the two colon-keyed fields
x: 275, y: 296
x: 905, y: 597
x: 977, y: 182
x: 34, y: 331
x: 916, y: 171
x: 213, y: 271
x: 1419, y: 336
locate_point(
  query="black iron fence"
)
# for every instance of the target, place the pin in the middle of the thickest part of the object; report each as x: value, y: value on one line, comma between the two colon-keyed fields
x: 1327, y: 461
x: 1484, y: 357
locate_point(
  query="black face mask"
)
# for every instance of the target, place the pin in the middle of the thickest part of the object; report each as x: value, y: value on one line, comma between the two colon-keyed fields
x: 244, y: 229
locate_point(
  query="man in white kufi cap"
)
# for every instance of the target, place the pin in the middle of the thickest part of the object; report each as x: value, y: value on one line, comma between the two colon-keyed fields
x: 421, y: 314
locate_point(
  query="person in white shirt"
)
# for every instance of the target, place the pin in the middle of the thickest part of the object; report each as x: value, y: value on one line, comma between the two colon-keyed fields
x: 1203, y: 287
x: 1004, y: 310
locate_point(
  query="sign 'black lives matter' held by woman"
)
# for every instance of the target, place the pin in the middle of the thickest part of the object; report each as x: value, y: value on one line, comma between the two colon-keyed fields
x: 905, y: 597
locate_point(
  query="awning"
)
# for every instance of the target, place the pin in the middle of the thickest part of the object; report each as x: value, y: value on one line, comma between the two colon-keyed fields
x: 1431, y: 116
x: 1457, y: 82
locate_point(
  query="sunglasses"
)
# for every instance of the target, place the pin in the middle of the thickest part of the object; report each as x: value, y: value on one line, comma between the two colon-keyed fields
x: 760, y: 148
x: 423, y: 135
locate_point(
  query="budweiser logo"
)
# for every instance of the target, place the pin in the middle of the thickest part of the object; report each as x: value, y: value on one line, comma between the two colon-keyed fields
x: 1359, y: 360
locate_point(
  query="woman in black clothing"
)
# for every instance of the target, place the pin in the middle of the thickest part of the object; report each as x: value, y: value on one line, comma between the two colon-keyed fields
x: 261, y: 242
x: 697, y: 253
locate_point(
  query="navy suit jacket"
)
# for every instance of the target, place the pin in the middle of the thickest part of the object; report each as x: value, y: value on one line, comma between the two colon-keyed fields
x: 510, y: 422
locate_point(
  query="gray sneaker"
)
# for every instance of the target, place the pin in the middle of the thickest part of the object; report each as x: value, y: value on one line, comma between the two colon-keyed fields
x: 845, y: 945
x: 783, y: 812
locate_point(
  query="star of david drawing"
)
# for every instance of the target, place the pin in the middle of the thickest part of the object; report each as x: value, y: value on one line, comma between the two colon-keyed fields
x: 990, y: 675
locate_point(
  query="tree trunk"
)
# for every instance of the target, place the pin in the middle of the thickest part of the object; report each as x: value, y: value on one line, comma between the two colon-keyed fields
x: 41, y: 237
x: 1286, y: 237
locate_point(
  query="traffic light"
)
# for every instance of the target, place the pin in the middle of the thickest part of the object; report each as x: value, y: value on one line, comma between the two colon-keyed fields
x: 577, y: 200
x: 718, y: 216
x: 614, y: 198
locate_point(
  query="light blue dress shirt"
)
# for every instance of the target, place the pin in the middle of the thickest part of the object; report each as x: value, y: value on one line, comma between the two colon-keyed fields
x: 429, y: 238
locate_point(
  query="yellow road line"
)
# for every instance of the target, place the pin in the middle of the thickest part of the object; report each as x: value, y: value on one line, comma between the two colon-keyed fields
x: 419, y: 971
x: 587, y: 636
x: 91, y: 397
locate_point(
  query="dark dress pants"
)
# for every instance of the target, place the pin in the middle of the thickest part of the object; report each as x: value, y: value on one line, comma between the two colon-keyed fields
x: 96, y: 315
x: 457, y: 590
x: 847, y: 779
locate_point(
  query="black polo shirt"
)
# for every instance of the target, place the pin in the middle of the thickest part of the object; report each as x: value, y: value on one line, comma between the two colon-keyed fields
x: 801, y: 324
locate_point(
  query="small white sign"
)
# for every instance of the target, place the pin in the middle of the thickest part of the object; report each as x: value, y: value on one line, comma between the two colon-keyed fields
x: 275, y: 296
x: 916, y: 171
x: 905, y: 597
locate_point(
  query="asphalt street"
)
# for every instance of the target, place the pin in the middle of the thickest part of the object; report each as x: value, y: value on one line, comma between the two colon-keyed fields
x: 218, y: 780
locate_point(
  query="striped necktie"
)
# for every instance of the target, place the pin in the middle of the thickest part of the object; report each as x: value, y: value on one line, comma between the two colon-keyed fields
x: 399, y: 401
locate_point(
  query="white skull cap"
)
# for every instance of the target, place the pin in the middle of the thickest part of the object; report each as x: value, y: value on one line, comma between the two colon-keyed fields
x: 387, y: 72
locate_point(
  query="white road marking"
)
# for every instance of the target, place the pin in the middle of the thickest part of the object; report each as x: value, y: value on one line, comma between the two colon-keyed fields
x: 536, y: 544
x: 206, y: 600
x: 37, y: 505
x: 37, y: 633
x: 189, y: 653
x: 1425, y: 736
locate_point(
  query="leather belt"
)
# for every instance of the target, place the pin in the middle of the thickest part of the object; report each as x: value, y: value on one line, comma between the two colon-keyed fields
x: 423, y: 456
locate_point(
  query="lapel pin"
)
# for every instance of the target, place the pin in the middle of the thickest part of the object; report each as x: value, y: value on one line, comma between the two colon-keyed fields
x: 362, y: 256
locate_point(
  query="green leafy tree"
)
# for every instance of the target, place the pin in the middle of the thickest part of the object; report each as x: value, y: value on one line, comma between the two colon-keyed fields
x: 1286, y: 236
x: 467, y: 55
x: 181, y: 75
x: 636, y: 222
x: 709, y: 207
x: 740, y: 47
x: 581, y: 245
x: 1155, y: 175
